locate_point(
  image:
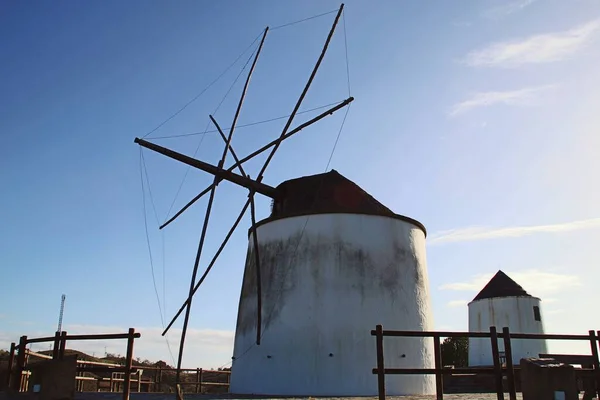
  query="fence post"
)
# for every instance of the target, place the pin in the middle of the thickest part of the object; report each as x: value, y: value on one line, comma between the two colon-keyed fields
x: 598, y: 340
x: 56, y: 345
x: 510, y: 371
x: 139, y: 381
x: 593, y: 344
x: 198, y: 380
x: 63, y: 345
x: 497, y: 366
x: 11, y: 361
x: 380, y: 364
x: 439, y: 378
x: 128, y: 364
x: 159, y: 379
x: 18, y: 374
x: 79, y: 385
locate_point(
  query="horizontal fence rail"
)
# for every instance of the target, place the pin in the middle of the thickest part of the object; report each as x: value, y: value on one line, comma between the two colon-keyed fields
x: 18, y: 372
x: 497, y: 369
x: 121, y: 375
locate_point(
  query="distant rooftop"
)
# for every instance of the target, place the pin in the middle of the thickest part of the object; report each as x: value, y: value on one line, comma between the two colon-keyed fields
x: 501, y: 285
x: 328, y: 193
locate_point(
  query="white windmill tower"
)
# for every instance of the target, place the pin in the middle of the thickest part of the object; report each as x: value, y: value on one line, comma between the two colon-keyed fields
x: 504, y: 303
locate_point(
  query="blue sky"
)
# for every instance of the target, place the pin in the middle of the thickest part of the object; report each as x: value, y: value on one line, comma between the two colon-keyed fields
x: 478, y: 118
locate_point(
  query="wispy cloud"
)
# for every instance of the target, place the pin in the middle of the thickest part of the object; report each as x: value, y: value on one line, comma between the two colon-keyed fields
x: 457, y: 303
x: 479, y: 233
x: 506, y: 9
x: 543, y: 282
x: 523, y: 97
x: 542, y: 48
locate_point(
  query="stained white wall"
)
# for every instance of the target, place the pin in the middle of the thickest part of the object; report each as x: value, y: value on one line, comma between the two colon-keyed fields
x: 350, y: 272
x: 516, y: 313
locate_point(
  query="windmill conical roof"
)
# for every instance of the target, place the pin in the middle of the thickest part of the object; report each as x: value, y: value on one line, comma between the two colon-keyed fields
x: 501, y: 285
x: 326, y: 193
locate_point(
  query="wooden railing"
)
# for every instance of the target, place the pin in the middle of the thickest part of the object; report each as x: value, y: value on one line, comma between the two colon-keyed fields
x: 498, y: 369
x: 116, y: 381
x: 200, y: 373
x: 18, y: 374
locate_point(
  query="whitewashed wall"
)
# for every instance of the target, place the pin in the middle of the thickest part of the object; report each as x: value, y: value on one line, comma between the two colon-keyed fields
x: 350, y: 272
x: 516, y: 313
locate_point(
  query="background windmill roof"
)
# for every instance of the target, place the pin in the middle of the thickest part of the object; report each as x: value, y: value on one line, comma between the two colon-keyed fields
x: 501, y: 285
x: 327, y: 193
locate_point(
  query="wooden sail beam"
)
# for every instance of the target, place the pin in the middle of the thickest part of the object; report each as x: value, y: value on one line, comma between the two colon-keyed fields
x: 210, y: 202
x: 235, y: 157
x: 302, y: 95
x: 210, y: 265
x: 221, y: 173
x: 257, y: 271
x: 259, y: 151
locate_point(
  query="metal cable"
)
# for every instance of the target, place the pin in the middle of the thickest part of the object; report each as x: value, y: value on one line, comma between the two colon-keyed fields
x: 303, y: 20
x: 244, y: 125
x: 143, y: 171
x: 204, y: 134
x: 203, y: 90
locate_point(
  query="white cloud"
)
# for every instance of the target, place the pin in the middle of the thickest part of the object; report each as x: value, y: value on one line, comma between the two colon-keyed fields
x: 204, y: 348
x: 479, y: 233
x: 544, y: 282
x: 506, y: 9
x: 523, y: 97
x: 457, y: 303
x: 535, y: 49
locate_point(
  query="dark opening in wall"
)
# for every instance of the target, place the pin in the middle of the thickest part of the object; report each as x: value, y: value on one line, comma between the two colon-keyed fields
x: 536, y: 313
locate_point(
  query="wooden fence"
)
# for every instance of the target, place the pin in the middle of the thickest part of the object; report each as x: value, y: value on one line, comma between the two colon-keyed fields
x: 121, y: 376
x: 18, y: 374
x: 197, y: 384
x: 498, y: 369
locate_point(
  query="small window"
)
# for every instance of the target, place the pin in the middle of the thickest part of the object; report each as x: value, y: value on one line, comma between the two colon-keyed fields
x: 536, y: 313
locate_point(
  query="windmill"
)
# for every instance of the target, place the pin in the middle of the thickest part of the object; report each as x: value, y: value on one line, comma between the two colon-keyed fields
x: 240, y: 178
